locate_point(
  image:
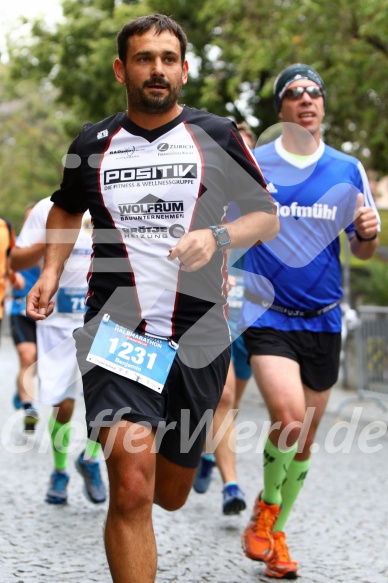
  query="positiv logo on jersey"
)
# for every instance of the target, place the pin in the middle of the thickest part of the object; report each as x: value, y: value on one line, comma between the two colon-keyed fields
x: 151, y: 207
x: 159, y: 172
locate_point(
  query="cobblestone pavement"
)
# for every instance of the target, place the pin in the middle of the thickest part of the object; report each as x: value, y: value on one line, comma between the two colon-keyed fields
x: 338, y: 531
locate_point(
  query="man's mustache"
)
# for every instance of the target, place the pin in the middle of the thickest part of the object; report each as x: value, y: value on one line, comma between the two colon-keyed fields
x: 157, y: 81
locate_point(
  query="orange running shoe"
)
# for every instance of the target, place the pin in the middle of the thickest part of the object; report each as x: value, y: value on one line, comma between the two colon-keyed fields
x: 280, y: 565
x: 257, y: 540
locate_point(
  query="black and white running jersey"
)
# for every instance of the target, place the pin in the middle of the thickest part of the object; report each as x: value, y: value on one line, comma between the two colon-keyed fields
x: 144, y: 190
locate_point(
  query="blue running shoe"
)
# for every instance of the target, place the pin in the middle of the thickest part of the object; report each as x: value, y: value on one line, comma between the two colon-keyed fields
x: 233, y: 500
x: 204, y: 475
x: 16, y: 401
x: 94, y: 487
x: 56, y: 493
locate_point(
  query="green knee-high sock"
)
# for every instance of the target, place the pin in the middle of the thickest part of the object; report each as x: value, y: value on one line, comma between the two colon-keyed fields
x: 276, y: 464
x: 60, y: 437
x: 292, y: 485
x: 92, y: 449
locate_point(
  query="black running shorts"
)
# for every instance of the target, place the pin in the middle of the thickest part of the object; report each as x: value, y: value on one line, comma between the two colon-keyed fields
x: 185, y: 406
x: 23, y: 329
x: 317, y: 353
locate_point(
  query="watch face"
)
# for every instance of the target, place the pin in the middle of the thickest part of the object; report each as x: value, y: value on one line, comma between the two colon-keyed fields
x: 223, y: 237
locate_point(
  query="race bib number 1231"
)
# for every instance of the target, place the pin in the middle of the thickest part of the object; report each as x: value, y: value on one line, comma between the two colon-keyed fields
x: 139, y: 357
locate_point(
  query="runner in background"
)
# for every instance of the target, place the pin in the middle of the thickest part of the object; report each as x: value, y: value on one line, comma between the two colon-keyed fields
x: 23, y: 332
x: 291, y: 315
x: 58, y: 373
x: 239, y: 373
x: 7, y: 274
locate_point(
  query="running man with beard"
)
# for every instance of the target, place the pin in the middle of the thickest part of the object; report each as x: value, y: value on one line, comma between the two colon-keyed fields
x: 157, y: 181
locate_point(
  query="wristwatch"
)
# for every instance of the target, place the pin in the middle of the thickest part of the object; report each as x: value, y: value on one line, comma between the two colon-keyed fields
x: 221, y: 236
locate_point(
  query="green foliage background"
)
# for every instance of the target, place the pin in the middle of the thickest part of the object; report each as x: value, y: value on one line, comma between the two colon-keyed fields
x: 63, y: 77
x: 240, y: 46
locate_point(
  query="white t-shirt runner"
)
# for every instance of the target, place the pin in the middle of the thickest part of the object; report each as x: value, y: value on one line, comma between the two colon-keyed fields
x: 57, y: 366
x: 70, y: 297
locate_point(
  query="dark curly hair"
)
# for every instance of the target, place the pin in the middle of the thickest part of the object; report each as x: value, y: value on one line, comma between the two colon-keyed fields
x: 141, y: 25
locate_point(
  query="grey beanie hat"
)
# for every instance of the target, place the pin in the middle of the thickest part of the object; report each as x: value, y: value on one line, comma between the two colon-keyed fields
x: 291, y: 74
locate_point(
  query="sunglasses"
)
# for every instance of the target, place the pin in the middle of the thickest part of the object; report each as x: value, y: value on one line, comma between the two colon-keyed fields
x: 296, y: 93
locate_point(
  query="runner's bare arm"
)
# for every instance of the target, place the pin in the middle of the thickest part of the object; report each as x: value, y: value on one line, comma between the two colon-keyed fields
x: 15, y: 279
x: 26, y: 257
x: 196, y: 248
